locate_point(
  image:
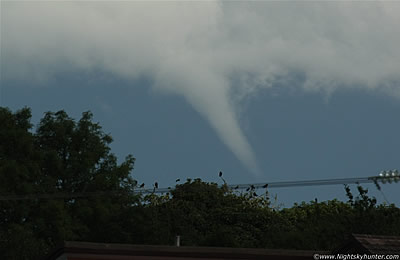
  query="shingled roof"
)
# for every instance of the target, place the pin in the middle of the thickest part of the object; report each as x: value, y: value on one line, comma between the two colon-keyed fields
x: 371, y: 244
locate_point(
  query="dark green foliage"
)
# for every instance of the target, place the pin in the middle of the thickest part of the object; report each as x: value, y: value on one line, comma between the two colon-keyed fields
x: 207, y: 215
x: 63, y: 156
x: 327, y: 224
x: 204, y: 214
x: 68, y: 157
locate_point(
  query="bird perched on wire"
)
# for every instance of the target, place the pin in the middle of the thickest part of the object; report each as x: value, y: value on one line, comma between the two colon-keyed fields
x: 155, y: 186
x: 220, y: 175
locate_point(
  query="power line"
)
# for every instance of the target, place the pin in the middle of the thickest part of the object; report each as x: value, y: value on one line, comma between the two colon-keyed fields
x: 253, y: 186
x: 286, y: 184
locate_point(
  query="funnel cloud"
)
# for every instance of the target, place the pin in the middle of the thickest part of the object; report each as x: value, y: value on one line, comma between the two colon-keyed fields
x: 196, y: 49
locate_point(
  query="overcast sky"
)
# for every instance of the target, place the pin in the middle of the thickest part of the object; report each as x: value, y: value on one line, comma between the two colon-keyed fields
x: 264, y: 91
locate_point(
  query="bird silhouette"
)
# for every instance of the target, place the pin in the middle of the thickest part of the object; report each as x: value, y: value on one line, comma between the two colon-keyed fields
x: 265, y: 185
x: 178, y: 180
x: 220, y: 175
x: 142, y: 185
x: 156, y: 185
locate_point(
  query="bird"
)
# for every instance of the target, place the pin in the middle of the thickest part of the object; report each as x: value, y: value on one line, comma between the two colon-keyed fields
x: 237, y: 187
x: 220, y: 175
x: 156, y: 185
x: 142, y: 185
x: 265, y: 185
x: 178, y: 180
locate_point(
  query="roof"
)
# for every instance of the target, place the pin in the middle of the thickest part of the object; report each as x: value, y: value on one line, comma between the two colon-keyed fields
x: 84, y: 250
x: 372, y: 244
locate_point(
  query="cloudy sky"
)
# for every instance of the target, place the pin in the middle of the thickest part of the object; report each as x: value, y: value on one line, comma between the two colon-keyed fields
x: 264, y: 91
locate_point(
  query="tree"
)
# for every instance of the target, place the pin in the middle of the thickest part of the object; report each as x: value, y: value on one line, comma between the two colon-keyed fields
x: 61, y: 157
x: 204, y: 214
x: 19, y: 167
x: 90, y: 198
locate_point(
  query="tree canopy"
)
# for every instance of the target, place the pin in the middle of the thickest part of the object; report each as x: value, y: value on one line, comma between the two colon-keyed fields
x: 98, y: 202
x: 62, y: 156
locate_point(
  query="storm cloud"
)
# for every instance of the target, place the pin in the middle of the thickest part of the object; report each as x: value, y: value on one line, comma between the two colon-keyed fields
x: 214, y: 54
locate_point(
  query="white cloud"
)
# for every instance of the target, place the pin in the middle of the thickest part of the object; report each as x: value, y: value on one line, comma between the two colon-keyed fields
x: 195, y: 49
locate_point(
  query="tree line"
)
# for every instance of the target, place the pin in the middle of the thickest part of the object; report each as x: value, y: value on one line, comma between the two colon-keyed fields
x: 65, y: 156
